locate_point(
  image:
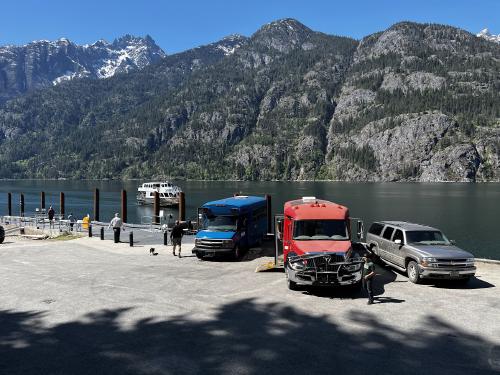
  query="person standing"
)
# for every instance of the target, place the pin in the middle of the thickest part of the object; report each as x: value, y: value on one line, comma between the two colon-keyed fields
x: 176, y: 237
x: 117, y: 224
x: 72, y: 221
x: 368, y: 275
x: 51, y: 214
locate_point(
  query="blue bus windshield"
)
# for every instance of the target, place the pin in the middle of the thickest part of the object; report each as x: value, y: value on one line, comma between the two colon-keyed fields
x: 220, y: 223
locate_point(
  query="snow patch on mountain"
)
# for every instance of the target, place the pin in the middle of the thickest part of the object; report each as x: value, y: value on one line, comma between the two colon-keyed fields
x: 485, y: 33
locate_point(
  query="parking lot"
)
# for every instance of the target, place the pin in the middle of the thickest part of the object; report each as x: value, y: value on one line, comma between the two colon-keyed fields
x: 89, y: 306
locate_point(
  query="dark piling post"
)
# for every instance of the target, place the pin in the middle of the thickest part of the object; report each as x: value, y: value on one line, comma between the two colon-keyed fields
x: 9, y: 203
x: 165, y: 238
x: 102, y: 233
x: 269, y: 214
x: 124, y: 206
x: 21, y: 205
x: 131, y: 239
x: 96, y: 204
x: 90, y: 230
x: 42, y: 200
x: 156, y: 207
x: 182, y: 206
x: 61, y: 205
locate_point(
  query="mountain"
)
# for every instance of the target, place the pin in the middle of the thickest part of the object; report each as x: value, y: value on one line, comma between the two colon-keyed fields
x: 44, y: 63
x: 415, y: 102
x: 485, y: 33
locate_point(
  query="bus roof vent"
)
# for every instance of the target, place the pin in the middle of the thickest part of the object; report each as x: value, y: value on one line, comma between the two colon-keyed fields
x: 308, y: 199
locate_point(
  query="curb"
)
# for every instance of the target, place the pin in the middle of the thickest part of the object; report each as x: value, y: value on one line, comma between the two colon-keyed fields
x: 490, y: 261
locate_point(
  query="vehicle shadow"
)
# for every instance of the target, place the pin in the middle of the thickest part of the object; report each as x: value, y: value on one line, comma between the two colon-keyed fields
x: 473, y: 283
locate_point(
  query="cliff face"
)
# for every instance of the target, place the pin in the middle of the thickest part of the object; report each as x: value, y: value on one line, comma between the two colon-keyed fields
x: 415, y: 102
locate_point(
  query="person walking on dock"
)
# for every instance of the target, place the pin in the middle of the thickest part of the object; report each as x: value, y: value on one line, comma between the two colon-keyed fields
x: 176, y: 237
x: 368, y: 275
x: 117, y: 225
x: 51, y: 214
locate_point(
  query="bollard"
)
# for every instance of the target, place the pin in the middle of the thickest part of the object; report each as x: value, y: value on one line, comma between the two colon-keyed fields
x: 131, y: 239
x: 96, y: 204
x: 90, y: 230
x: 124, y: 206
x: 102, y: 233
x: 61, y: 205
x: 182, y: 206
x: 9, y: 203
x: 156, y: 207
x: 165, y: 238
x: 269, y: 214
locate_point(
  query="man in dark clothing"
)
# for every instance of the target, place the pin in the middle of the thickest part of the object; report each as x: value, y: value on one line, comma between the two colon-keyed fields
x: 176, y: 237
x: 368, y: 275
x: 51, y: 214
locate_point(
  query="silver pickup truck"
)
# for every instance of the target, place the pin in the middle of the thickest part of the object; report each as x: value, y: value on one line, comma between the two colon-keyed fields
x: 421, y: 251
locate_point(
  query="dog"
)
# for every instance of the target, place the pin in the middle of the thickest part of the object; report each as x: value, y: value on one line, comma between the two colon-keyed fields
x: 152, y: 251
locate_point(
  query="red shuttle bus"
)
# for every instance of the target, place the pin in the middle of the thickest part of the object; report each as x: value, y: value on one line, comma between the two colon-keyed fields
x: 316, y: 241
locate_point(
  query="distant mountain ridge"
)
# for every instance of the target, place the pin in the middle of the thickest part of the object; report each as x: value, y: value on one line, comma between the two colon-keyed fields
x: 414, y: 102
x: 43, y: 63
x: 485, y: 33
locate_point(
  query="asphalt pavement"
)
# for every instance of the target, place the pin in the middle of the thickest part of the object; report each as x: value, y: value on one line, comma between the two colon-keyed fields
x: 88, y: 306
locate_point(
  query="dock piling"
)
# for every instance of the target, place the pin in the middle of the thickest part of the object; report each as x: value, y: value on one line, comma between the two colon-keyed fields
x: 102, y: 233
x: 90, y: 230
x: 156, y: 204
x: 269, y: 214
x: 21, y: 205
x: 61, y: 205
x: 96, y: 204
x: 124, y: 206
x: 165, y: 238
x: 42, y: 201
x: 182, y: 206
x: 131, y: 239
x: 9, y: 203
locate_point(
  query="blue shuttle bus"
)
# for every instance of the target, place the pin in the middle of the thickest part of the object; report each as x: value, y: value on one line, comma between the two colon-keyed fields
x: 231, y: 226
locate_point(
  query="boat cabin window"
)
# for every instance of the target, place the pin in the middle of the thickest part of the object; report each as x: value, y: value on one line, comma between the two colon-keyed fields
x: 320, y: 230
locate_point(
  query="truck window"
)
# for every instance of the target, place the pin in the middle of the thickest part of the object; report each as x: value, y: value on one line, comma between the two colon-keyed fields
x: 220, y: 223
x: 388, y: 233
x: 398, y: 235
x: 427, y: 237
x: 320, y: 230
x: 376, y: 229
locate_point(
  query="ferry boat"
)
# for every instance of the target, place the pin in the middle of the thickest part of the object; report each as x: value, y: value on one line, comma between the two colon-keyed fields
x: 169, y: 193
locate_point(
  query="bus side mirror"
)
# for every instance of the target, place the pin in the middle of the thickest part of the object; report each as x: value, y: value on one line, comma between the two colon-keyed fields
x: 361, y: 230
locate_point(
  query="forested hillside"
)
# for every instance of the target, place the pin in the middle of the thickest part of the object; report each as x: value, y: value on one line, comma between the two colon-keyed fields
x: 415, y: 102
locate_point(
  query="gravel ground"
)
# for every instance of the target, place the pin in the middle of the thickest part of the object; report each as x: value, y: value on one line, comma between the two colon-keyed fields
x: 87, y: 306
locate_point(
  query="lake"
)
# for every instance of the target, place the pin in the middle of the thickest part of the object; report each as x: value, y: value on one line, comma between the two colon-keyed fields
x: 467, y: 213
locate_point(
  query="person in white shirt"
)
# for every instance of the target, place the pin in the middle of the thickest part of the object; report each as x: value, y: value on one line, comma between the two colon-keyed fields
x: 117, y: 225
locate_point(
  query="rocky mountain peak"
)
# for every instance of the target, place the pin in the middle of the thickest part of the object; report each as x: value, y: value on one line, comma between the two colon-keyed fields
x: 282, y: 35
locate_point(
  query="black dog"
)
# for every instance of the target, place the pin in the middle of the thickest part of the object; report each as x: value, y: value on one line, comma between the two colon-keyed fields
x: 152, y: 251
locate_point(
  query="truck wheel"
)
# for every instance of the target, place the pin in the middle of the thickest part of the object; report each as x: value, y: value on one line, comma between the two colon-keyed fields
x: 412, y: 270
x: 292, y: 285
x: 199, y: 255
x: 237, y: 253
x: 2, y: 234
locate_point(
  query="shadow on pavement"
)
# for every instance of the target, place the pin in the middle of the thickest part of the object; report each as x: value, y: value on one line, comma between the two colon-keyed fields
x: 473, y: 283
x: 243, y: 337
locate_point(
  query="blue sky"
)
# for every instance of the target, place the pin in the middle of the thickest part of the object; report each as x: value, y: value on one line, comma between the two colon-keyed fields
x: 180, y: 25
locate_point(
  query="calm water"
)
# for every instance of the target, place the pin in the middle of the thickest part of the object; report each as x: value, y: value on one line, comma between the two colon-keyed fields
x: 467, y: 213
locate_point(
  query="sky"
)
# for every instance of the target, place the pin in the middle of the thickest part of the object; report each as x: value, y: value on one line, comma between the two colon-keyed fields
x: 183, y: 24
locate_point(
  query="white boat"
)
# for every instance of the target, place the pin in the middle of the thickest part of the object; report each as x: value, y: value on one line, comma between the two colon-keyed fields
x: 169, y: 193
